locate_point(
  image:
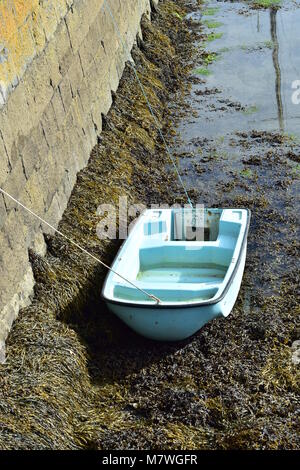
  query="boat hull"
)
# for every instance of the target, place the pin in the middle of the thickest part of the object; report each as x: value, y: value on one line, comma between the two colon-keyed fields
x: 175, y: 324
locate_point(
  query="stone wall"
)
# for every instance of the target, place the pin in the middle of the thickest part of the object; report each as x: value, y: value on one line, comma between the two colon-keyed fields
x: 59, y: 62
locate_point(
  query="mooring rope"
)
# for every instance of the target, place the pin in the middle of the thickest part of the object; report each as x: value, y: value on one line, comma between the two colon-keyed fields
x: 132, y: 65
x: 157, y: 300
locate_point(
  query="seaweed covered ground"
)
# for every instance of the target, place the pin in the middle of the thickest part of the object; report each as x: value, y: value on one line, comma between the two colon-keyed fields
x: 75, y: 376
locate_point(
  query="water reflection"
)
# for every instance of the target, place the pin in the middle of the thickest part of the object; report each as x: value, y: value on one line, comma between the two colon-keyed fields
x: 275, y: 55
x: 258, y: 60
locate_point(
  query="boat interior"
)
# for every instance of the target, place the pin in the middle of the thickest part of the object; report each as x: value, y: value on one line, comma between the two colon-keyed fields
x: 178, y: 257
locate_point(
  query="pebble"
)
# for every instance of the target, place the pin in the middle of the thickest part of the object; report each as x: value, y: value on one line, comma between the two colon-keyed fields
x: 2, y: 352
x: 296, y: 345
x: 296, y: 352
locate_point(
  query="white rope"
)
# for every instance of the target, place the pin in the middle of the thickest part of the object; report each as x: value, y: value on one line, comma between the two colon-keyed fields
x: 157, y: 300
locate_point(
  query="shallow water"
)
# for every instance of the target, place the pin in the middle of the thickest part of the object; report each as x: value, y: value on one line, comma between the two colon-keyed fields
x: 239, y: 140
x: 258, y: 61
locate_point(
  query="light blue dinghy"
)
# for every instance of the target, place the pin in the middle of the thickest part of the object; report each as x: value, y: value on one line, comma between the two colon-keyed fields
x: 177, y: 285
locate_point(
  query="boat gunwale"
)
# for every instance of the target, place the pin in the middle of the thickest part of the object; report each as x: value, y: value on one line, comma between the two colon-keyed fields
x: 182, y: 304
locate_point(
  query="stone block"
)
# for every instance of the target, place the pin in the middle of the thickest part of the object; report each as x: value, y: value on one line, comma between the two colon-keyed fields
x: 55, y: 72
x: 66, y: 93
x: 53, y: 214
x: 14, y: 184
x: 75, y: 74
x: 63, y: 48
x: 3, y: 212
x: 38, y: 88
x: 85, y: 95
x: 61, y: 8
x: 41, y: 145
x: 49, y: 126
x: 77, y: 22
x: 49, y: 20
x: 38, y: 245
x: 6, y: 132
x: 58, y: 108
x: 29, y: 153
x: 4, y: 163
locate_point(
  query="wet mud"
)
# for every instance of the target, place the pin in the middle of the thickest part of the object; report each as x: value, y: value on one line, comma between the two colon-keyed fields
x: 75, y: 376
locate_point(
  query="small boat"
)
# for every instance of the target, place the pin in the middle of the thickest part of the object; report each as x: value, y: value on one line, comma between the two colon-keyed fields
x: 178, y: 284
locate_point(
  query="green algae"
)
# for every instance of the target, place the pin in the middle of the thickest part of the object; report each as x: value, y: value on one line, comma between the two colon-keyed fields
x: 209, y: 57
x: 177, y: 15
x: 211, y: 11
x: 214, y: 36
x: 247, y: 173
x: 267, y: 3
x: 251, y: 110
x: 269, y: 44
x: 202, y: 71
x: 212, y: 24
